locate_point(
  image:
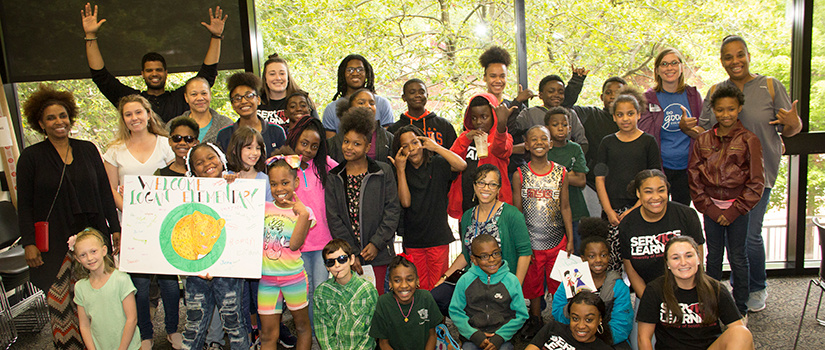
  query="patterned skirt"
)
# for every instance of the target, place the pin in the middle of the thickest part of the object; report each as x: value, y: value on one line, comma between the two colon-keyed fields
x: 62, y: 309
x: 615, y: 248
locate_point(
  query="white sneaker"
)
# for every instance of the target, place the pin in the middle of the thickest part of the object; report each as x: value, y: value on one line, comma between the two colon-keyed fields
x: 757, y: 301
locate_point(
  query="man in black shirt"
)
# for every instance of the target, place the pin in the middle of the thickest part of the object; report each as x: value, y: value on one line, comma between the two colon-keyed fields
x: 167, y: 104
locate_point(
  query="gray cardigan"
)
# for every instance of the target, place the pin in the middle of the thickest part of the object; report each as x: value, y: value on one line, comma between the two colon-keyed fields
x: 380, y: 209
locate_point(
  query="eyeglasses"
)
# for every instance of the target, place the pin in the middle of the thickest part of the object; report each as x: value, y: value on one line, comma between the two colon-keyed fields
x: 491, y: 185
x: 178, y: 138
x: 666, y: 64
x: 341, y: 260
x: 494, y: 255
x: 249, y: 97
x: 351, y: 70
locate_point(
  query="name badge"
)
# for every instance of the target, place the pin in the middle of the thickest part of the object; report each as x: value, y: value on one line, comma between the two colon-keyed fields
x: 654, y: 108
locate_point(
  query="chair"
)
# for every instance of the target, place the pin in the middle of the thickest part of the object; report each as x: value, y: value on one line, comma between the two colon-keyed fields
x: 22, y: 306
x: 819, y: 281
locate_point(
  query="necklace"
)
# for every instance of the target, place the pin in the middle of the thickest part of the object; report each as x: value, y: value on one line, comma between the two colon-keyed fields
x: 407, y: 316
x: 488, y: 215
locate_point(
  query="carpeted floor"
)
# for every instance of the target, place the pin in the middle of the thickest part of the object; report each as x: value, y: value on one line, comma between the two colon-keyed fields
x: 773, y: 328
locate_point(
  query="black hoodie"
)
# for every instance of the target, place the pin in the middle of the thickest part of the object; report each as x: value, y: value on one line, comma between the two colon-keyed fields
x: 436, y: 128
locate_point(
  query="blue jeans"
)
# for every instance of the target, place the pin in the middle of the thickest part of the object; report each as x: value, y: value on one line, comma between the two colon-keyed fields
x: 735, y: 238
x: 316, y: 273
x: 577, y: 238
x: 470, y: 346
x: 756, y: 246
x: 201, y: 298
x: 169, y: 293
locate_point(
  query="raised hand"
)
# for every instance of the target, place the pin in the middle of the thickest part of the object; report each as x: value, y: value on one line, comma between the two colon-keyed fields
x: 428, y: 143
x: 298, y: 207
x: 524, y: 95
x: 90, y: 23
x: 400, y: 160
x: 503, y: 112
x: 580, y: 71
x: 216, y: 21
x: 785, y: 116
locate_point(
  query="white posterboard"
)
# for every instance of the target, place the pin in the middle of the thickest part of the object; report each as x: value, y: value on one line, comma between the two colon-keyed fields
x: 192, y: 226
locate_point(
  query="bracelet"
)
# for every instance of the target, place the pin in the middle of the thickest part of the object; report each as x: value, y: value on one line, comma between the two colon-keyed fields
x: 217, y: 36
x: 90, y: 39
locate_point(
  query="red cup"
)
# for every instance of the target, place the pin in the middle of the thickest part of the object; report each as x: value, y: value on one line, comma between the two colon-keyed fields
x: 41, y: 235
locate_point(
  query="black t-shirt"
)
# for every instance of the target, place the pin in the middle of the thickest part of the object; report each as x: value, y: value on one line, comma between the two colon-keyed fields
x: 167, y: 105
x: 643, y: 243
x: 274, y: 112
x: 557, y: 336
x: 597, y: 123
x: 468, y: 178
x: 424, y: 224
x: 620, y: 161
x: 690, y: 333
x: 167, y: 171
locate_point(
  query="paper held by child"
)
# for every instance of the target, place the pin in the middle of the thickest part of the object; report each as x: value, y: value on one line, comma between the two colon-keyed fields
x: 369, y: 274
x: 562, y: 263
x: 573, y: 274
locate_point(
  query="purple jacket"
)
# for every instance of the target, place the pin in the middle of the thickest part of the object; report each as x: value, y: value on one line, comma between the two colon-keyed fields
x: 651, y: 122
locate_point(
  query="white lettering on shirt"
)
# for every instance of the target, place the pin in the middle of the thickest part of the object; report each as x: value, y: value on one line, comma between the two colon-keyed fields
x: 557, y: 343
x: 651, y: 245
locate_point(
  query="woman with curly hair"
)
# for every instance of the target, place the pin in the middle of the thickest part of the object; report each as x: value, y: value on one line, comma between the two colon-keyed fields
x: 61, y: 183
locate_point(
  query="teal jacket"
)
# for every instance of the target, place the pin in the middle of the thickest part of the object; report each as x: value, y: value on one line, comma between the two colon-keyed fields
x: 485, y: 303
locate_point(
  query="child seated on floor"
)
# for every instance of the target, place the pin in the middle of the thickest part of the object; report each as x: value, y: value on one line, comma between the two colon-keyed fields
x: 397, y: 329
x: 344, y: 291
x: 487, y: 306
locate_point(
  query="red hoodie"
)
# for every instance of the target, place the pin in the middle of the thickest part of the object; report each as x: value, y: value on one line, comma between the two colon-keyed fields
x: 500, y: 147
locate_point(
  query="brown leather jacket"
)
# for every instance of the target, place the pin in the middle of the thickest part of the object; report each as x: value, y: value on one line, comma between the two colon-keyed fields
x: 726, y: 167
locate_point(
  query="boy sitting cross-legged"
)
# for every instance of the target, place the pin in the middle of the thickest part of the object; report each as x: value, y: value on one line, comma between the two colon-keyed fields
x: 487, y: 306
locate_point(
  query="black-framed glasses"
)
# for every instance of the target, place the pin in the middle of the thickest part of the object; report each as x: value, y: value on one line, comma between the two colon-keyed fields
x: 494, y: 254
x: 351, y: 70
x: 179, y: 138
x: 490, y: 185
x: 672, y: 63
x: 249, y: 97
x: 341, y: 260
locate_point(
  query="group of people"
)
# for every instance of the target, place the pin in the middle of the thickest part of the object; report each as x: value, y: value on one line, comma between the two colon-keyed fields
x: 519, y: 179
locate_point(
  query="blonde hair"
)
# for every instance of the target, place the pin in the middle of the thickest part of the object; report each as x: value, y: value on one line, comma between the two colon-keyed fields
x: 154, y: 125
x: 81, y: 272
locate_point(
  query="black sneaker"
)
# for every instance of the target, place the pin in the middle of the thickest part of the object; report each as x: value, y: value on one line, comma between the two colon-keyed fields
x: 286, y: 339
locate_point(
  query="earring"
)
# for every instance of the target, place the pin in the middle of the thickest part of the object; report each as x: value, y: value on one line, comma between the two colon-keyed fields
x: 474, y: 196
x: 600, y: 329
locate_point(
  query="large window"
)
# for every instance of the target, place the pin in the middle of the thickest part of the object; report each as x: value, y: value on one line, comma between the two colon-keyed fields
x: 440, y: 41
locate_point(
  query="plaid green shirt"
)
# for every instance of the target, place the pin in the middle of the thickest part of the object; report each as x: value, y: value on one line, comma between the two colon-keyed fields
x: 343, y: 314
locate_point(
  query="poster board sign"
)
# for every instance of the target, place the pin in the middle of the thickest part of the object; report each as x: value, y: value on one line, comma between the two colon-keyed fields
x: 192, y: 226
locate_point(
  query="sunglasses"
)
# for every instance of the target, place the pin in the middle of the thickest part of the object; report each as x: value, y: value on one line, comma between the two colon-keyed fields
x: 178, y: 138
x: 341, y: 260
